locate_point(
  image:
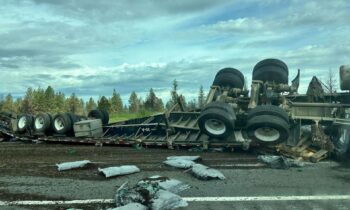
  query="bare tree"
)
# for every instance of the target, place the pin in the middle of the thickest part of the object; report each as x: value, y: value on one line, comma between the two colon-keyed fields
x: 331, y: 81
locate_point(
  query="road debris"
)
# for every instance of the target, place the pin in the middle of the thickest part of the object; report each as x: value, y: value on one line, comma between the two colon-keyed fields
x: 165, y: 183
x: 155, y: 192
x: 130, y: 206
x: 192, y: 158
x: 119, y: 170
x: 279, y: 162
x: 204, y: 172
x: 72, y: 165
x: 167, y: 200
x: 180, y: 163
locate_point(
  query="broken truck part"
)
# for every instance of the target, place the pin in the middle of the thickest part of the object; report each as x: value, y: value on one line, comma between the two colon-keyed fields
x: 270, y: 114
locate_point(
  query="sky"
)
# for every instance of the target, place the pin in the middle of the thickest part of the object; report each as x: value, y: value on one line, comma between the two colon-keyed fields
x: 92, y: 47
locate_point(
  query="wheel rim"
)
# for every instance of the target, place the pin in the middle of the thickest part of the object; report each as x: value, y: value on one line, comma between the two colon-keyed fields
x: 22, y: 122
x: 39, y: 123
x: 267, y: 134
x: 59, y: 124
x: 215, y: 126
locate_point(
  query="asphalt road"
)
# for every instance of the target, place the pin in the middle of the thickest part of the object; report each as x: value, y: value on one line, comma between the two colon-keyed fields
x: 28, y: 172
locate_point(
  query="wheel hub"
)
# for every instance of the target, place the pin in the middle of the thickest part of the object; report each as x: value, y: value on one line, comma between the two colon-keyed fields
x: 59, y: 124
x: 267, y: 134
x: 22, y: 122
x: 39, y: 123
x: 215, y: 126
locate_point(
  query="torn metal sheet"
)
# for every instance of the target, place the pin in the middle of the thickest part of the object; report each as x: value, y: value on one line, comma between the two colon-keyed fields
x: 192, y: 158
x: 119, y: 170
x: 180, y: 163
x: 204, y: 172
x: 72, y: 165
x: 279, y: 162
x: 167, y: 200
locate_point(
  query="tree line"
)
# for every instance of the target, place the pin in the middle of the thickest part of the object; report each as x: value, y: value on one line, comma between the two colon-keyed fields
x: 48, y: 100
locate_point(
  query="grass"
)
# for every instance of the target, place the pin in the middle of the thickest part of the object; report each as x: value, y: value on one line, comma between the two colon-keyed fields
x: 117, y: 117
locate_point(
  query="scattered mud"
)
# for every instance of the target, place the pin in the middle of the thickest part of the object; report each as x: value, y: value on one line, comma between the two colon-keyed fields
x: 25, y: 159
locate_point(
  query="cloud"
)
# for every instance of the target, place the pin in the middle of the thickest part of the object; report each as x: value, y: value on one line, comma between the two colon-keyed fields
x: 92, y: 48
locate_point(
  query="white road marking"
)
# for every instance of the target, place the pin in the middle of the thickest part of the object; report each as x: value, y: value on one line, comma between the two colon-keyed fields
x: 240, y: 165
x: 189, y: 199
x: 34, y: 203
x: 269, y: 198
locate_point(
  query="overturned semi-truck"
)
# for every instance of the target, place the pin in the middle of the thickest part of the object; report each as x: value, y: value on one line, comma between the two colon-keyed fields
x: 271, y: 114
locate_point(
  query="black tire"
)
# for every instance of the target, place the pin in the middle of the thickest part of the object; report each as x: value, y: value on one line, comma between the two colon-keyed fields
x: 341, y: 143
x: 219, y: 105
x: 216, y: 120
x: 105, y: 117
x: 229, y: 77
x: 25, y: 123
x: 74, y: 118
x: 42, y: 122
x: 271, y: 70
x: 268, y: 129
x: 62, y: 123
x: 97, y: 114
x: 268, y: 110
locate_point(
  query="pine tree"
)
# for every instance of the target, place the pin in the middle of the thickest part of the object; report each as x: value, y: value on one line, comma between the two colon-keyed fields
x: 160, y: 105
x: 82, y: 110
x: 28, y: 103
x: 134, y: 102
x: 116, y: 102
x: 60, y: 103
x: 39, y: 100
x: 74, y: 105
x: 201, y: 97
x: 151, y: 101
x: 90, y: 105
x: 49, y: 99
x: 192, y: 104
x: 104, y: 104
x: 8, y: 103
x: 173, y: 94
x: 18, y: 105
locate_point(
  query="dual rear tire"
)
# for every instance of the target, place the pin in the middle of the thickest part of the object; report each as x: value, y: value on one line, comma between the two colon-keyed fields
x: 217, y: 120
x: 271, y: 70
x: 25, y: 123
x: 43, y: 123
x: 268, y: 124
x: 229, y: 78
